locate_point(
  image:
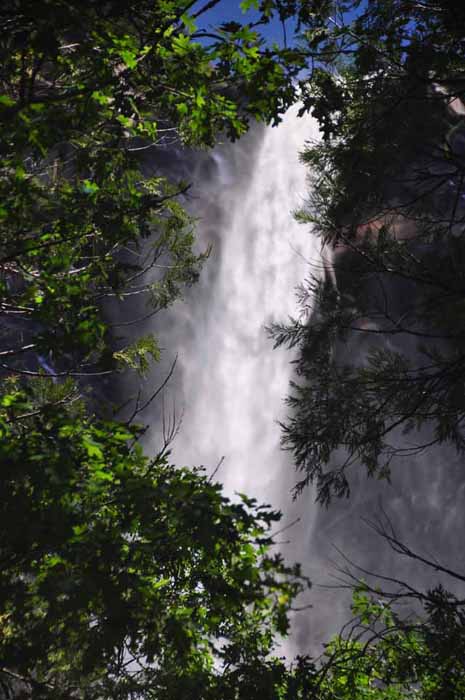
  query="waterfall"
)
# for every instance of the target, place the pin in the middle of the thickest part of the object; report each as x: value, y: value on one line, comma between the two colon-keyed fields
x: 229, y: 384
x: 233, y: 383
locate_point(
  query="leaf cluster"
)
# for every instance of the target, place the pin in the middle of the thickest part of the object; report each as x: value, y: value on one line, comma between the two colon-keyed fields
x: 123, y: 575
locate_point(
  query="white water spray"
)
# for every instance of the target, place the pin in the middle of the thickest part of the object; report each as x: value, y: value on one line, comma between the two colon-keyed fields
x: 229, y: 382
x: 233, y: 382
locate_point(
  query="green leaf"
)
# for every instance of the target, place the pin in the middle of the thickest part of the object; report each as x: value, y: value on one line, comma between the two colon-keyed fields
x: 246, y: 5
x: 189, y: 23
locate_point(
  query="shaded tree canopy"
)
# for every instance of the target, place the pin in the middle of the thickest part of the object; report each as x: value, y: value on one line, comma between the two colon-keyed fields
x: 379, y: 371
x: 381, y: 333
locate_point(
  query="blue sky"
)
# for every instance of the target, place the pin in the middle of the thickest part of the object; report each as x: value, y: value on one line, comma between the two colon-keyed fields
x: 227, y: 10
x: 230, y: 10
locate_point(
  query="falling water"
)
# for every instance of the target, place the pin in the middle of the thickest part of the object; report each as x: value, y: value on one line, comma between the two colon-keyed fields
x: 229, y: 384
x: 233, y: 383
